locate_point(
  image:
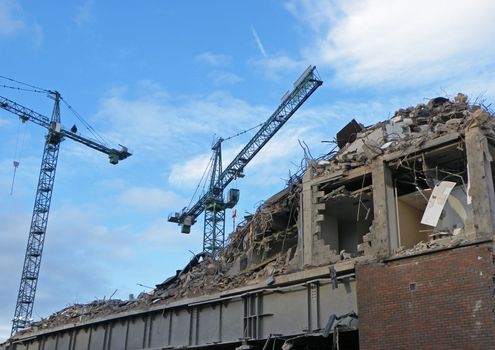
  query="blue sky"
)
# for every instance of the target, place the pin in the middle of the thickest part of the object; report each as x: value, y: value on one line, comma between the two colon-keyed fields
x: 163, y: 78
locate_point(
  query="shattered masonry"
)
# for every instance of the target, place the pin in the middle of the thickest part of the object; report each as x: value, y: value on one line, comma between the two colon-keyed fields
x: 399, y: 195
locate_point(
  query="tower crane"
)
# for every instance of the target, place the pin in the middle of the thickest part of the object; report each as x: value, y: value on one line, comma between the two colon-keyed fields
x: 212, y: 202
x: 56, y: 134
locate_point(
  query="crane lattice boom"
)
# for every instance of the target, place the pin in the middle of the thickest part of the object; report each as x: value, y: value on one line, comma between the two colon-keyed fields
x: 26, y: 114
x: 36, y: 238
x: 307, y: 83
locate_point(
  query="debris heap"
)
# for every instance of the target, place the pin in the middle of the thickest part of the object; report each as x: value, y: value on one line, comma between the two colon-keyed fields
x: 408, y: 128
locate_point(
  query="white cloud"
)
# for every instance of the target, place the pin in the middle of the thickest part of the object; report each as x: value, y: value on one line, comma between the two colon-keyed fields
x: 81, y: 255
x: 283, y: 145
x: 482, y: 84
x: 213, y: 59
x: 83, y: 13
x: 408, y: 42
x: 70, y: 237
x: 280, y: 155
x: 5, y: 122
x: 311, y: 124
x: 168, y: 236
x: 13, y: 245
x: 317, y: 14
x: 189, y: 173
x: 270, y: 166
x: 37, y: 34
x: 150, y: 199
x: 218, y: 76
x: 224, y: 78
x: 275, y: 66
x: 11, y: 20
x: 155, y: 123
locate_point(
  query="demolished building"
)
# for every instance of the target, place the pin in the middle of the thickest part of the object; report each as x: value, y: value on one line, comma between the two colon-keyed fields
x: 385, y: 243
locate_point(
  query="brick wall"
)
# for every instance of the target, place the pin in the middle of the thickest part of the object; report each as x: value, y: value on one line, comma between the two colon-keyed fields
x: 443, y: 300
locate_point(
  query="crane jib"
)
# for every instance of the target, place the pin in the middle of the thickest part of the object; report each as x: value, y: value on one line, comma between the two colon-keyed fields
x: 57, y: 133
x: 304, y: 86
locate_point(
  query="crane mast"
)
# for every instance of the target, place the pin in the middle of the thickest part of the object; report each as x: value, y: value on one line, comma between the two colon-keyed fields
x: 39, y: 220
x: 212, y: 202
x: 214, y: 223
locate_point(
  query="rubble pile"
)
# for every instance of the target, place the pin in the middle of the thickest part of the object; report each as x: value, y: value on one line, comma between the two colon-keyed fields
x: 82, y: 312
x: 209, y: 276
x: 423, y: 247
x: 274, y: 221
x: 204, y: 274
x: 408, y: 127
x: 213, y: 276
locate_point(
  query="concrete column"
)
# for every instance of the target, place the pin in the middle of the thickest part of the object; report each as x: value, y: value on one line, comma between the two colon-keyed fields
x: 384, y: 228
x: 480, y: 183
x: 307, y: 220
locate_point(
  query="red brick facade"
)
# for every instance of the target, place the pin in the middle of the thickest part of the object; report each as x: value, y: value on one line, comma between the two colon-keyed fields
x: 443, y: 300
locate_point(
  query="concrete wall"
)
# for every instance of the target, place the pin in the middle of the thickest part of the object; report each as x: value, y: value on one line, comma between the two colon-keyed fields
x: 410, y: 228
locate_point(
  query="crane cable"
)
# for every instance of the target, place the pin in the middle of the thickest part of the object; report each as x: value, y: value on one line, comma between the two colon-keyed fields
x: 18, y: 152
x: 201, y: 180
x: 243, y: 132
x: 33, y: 87
x: 84, y: 122
x: 21, y: 89
x: 208, y: 169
